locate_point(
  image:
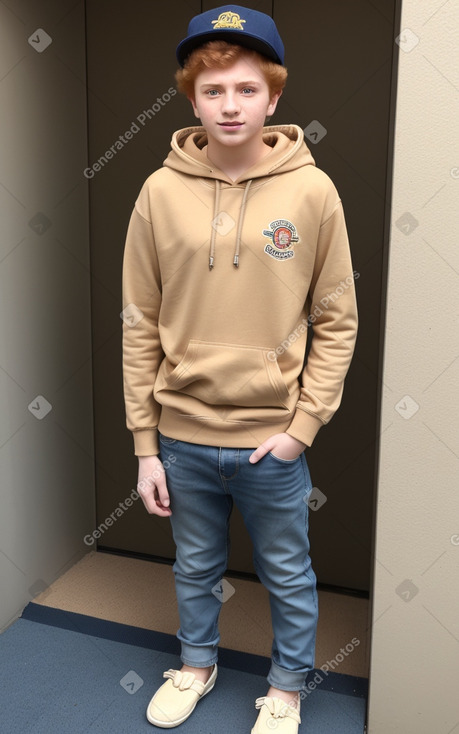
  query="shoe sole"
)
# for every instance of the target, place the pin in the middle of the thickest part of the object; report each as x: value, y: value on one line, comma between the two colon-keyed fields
x: 177, y: 722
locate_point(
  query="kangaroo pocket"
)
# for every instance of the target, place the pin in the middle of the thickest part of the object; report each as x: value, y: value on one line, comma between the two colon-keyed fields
x: 229, y: 374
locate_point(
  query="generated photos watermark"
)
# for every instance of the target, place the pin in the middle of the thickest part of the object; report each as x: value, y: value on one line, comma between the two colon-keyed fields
x: 123, y: 506
x: 318, y: 310
x: 322, y: 673
x: 124, y: 139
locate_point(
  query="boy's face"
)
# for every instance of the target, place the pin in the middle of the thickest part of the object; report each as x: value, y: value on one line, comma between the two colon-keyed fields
x: 233, y: 103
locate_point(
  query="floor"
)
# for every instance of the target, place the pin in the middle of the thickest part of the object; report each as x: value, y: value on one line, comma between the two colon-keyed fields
x: 141, y: 593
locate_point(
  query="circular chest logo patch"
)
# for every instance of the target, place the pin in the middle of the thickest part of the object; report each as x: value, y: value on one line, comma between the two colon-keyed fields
x: 282, y: 235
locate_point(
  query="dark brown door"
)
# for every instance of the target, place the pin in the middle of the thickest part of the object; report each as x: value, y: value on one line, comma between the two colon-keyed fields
x: 340, y: 61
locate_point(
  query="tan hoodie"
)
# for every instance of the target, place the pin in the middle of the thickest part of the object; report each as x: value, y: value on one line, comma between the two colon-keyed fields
x: 222, y: 282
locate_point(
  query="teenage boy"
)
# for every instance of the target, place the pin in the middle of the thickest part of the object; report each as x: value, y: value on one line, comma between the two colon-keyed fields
x: 236, y: 248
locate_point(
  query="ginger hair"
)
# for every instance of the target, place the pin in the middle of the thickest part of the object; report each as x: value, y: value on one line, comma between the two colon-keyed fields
x: 220, y: 54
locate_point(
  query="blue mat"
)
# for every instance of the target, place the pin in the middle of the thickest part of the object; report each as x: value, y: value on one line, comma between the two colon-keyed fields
x: 66, y: 673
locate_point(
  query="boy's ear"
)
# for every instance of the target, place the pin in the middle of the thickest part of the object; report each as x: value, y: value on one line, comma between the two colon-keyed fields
x: 195, y: 109
x: 273, y: 103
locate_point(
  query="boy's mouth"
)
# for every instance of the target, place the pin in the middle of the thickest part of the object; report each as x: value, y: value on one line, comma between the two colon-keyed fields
x: 234, y: 123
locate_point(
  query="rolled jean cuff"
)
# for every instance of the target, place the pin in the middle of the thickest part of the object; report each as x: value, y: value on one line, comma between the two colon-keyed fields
x: 199, y: 656
x: 286, y: 680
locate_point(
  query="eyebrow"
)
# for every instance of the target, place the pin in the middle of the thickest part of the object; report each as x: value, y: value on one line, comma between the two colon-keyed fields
x: 239, y: 84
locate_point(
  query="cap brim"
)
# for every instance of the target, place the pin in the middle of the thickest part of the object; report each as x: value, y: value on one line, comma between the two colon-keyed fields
x: 240, y: 39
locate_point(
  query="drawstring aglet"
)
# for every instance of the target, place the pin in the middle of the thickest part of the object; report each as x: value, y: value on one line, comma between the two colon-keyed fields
x: 211, y: 262
x: 236, y: 261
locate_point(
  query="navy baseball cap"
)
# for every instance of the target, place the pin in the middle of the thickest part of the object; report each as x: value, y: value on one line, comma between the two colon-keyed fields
x: 234, y: 24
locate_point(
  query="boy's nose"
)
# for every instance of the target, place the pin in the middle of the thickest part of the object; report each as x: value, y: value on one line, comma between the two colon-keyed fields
x: 230, y: 104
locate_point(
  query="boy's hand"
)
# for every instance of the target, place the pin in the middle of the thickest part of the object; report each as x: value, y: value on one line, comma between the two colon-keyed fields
x: 152, y: 486
x: 281, y: 445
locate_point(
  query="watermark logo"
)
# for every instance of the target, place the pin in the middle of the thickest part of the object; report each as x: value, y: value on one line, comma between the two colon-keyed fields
x: 407, y: 590
x: 131, y: 315
x: 131, y: 682
x: 316, y: 499
x: 223, y: 590
x: 407, y: 223
x: 407, y: 40
x: 223, y: 223
x: 40, y: 40
x: 315, y: 132
x: 40, y: 223
x: 407, y: 407
x: 40, y: 407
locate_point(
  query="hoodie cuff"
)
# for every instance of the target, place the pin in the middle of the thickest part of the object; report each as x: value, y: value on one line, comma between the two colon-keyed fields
x: 146, y: 442
x: 304, y: 427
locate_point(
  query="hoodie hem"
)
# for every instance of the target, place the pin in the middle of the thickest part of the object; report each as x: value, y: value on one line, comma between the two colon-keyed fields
x: 239, y: 434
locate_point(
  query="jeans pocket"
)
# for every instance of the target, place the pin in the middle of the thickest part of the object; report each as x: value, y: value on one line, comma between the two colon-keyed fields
x: 282, y: 461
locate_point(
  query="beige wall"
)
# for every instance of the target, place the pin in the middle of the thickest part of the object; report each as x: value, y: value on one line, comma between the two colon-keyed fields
x: 415, y: 661
x: 46, y: 437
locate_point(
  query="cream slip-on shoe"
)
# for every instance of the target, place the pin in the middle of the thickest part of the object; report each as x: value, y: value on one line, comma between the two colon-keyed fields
x: 176, y: 699
x: 276, y: 715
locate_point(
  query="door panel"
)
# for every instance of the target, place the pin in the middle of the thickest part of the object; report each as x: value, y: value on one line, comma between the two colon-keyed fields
x: 339, y: 57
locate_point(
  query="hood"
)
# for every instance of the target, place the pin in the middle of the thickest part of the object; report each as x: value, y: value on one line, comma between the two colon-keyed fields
x: 188, y: 155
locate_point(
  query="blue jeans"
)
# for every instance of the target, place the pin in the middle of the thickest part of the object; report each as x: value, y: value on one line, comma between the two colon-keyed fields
x: 272, y: 497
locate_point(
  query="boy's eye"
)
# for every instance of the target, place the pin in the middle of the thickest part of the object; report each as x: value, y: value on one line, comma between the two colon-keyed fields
x: 248, y: 90
x: 212, y: 92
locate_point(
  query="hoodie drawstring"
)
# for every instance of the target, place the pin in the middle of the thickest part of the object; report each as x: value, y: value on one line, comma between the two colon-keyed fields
x: 214, y: 225
x: 239, y: 224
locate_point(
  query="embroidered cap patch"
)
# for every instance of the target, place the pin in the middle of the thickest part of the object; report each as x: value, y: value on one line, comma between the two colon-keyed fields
x: 229, y: 20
